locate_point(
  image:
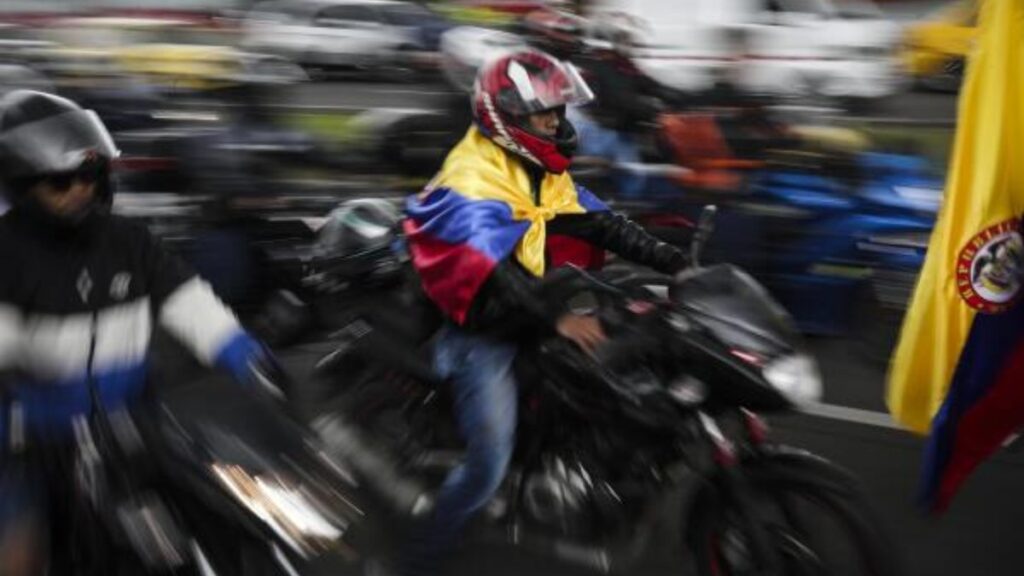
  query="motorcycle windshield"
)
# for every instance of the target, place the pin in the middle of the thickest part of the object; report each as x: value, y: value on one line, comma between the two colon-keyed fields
x: 737, y: 310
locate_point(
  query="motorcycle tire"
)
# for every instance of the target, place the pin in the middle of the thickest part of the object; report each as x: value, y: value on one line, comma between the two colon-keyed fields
x: 811, y: 505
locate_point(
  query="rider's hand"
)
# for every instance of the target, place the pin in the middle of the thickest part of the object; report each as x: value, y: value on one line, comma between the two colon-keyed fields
x: 266, y: 374
x: 585, y: 331
x: 254, y: 367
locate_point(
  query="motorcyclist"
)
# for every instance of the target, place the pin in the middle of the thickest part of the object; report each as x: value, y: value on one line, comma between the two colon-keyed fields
x: 501, y: 211
x: 626, y: 100
x: 229, y: 165
x: 554, y: 32
x: 79, y: 295
x: 625, y: 97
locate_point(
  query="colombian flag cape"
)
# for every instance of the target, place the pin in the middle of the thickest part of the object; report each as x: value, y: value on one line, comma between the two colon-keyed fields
x: 958, y: 370
x: 476, y: 212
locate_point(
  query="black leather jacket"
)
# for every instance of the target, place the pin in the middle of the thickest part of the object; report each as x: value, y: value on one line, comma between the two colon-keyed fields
x: 625, y: 98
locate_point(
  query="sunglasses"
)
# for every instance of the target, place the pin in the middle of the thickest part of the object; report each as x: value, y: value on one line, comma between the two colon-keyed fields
x: 87, y: 173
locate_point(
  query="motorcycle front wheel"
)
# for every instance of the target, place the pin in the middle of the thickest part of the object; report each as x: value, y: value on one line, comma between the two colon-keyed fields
x: 812, y: 513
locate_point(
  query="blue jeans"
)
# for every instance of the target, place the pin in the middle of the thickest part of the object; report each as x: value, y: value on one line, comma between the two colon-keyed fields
x: 618, y: 148
x: 479, y: 370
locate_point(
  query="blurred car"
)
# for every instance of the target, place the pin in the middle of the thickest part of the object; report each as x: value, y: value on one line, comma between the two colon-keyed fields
x: 18, y: 77
x: 515, y: 7
x: 322, y: 35
x: 168, y: 52
x: 465, y: 48
x: 18, y: 42
x: 203, y: 67
x: 475, y: 16
x: 935, y: 48
x: 791, y: 48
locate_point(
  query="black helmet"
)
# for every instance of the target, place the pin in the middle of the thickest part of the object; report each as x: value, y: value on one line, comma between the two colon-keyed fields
x: 42, y: 134
x: 356, y: 246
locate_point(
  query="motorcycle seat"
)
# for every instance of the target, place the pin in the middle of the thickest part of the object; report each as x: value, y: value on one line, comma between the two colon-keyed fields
x: 396, y: 332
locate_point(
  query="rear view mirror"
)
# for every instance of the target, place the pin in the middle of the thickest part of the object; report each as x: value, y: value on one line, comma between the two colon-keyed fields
x: 705, y: 227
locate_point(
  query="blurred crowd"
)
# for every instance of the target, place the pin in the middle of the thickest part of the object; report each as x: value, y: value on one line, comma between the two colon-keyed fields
x: 241, y: 126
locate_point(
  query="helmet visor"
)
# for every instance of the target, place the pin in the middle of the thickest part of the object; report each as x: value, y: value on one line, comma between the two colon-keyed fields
x: 57, y: 144
x: 540, y: 88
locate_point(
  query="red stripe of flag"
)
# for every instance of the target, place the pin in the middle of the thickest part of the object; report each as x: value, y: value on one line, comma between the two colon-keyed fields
x: 986, y: 425
x: 451, y: 274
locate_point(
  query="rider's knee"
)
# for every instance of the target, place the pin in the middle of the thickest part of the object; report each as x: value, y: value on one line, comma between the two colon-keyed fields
x: 486, y: 466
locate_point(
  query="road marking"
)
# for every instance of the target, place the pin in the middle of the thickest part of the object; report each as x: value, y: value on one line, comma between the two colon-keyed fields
x: 847, y: 414
x: 935, y: 122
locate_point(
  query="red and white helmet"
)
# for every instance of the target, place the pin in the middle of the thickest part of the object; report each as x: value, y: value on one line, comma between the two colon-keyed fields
x: 514, y: 86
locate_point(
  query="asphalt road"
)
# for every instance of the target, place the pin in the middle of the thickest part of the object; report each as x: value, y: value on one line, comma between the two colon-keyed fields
x: 358, y: 95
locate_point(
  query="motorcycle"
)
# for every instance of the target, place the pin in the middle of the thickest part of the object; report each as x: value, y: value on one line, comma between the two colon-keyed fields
x: 836, y: 233
x: 164, y: 488
x: 840, y: 243
x: 850, y: 247
x: 671, y: 398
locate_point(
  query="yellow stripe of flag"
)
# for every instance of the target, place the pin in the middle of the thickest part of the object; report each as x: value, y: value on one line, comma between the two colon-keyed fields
x: 984, y: 189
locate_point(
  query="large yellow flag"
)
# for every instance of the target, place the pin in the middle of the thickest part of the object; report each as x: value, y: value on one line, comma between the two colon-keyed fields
x: 958, y: 369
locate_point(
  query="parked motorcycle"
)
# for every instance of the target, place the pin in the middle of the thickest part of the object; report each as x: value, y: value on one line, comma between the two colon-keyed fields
x: 670, y: 399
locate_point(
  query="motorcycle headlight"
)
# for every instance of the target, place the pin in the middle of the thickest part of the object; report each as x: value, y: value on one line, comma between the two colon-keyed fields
x: 291, y: 512
x: 688, y: 390
x: 796, y: 376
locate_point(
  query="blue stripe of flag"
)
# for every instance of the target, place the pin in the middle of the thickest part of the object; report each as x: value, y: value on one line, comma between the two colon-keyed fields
x: 485, y: 225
